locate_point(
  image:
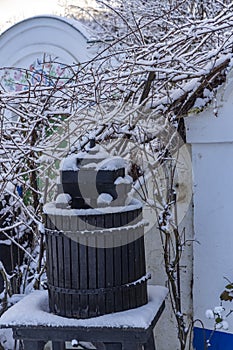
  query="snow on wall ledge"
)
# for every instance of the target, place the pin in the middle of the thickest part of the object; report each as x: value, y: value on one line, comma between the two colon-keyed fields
x: 211, y: 141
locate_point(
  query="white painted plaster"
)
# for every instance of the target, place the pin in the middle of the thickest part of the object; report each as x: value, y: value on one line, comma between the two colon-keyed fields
x: 206, y: 127
x: 212, y: 155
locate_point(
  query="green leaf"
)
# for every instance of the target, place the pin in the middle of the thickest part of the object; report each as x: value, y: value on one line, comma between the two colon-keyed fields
x: 229, y: 286
x: 225, y: 296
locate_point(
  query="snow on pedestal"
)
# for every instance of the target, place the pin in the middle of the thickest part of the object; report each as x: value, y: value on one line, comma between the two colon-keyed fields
x: 33, y: 310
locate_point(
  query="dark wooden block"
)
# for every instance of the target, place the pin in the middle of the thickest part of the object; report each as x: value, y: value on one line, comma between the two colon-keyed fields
x: 58, y: 345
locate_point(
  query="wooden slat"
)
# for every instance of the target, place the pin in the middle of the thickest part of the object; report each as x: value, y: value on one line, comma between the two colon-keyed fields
x: 33, y: 345
x: 92, y: 274
x: 51, y: 222
x: 117, y: 242
x: 101, y: 277
x: 57, y: 345
x: 109, y: 265
x: 66, y: 223
x: 81, y: 226
x: 54, y: 303
x: 125, y: 275
x: 117, y: 272
x: 75, y: 264
x: 67, y: 275
x: 54, y: 259
x: 61, y: 262
x: 124, y: 218
x: 139, y: 245
x: 83, y: 260
x: 49, y: 265
x: 132, y: 268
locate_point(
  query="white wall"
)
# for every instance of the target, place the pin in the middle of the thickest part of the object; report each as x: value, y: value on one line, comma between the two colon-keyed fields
x: 212, y: 154
x: 213, y: 195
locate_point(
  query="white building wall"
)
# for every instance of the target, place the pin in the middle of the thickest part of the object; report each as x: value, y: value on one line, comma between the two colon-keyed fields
x: 211, y: 138
x: 213, y: 194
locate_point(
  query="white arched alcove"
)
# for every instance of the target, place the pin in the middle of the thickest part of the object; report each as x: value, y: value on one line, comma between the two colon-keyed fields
x: 36, y: 40
x: 63, y: 38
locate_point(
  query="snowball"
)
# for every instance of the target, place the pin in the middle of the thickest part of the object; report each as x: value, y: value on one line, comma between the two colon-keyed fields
x: 123, y: 180
x: 63, y: 198
x: 112, y: 163
x: 69, y: 163
x: 218, y: 310
x: 218, y: 325
x: 209, y: 314
x: 74, y: 342
x: 225, y: 325
x: 104, y: 198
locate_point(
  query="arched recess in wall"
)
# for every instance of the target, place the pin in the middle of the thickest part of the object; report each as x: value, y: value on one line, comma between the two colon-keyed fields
x: 36, y: 40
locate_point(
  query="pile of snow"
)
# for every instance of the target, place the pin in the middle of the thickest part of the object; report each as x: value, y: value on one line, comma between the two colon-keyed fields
x: 63, y: 201
x: 113, y: 163
x: 104, y: 199
x: 93, y: 153
x: 63, y: 198
x: 33, y: 310
x: 128, y: 180
x: 69, y: 163
x: 51, y: 209
x: 90, y: 166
